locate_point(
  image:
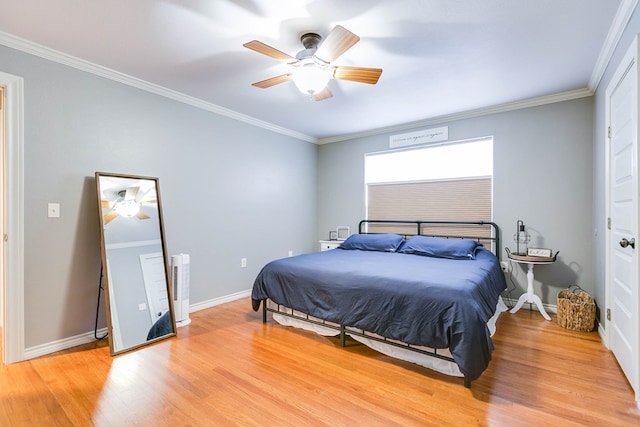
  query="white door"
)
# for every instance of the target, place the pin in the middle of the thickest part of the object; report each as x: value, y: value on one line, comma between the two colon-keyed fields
x: 155, y: 284
x: 622, y: 284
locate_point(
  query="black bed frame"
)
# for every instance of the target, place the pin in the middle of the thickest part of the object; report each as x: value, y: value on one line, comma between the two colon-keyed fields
x: 492, y: 240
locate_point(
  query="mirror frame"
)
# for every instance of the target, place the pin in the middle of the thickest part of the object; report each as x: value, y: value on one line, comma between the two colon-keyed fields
x: 105, y: 274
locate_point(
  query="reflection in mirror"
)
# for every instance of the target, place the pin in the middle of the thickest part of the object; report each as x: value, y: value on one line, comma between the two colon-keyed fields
x: 134, y: 261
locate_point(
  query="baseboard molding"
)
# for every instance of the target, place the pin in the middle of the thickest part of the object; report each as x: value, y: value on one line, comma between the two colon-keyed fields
x: 549, y: 308
x: 63, y: 344
x: 603, y: 334
x: 220, y: 300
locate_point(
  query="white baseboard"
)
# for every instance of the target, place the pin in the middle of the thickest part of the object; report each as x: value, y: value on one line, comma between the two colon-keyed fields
x: 602, y: 332
x: 63, y: 344
x: 217, y: 301
x: 549, y: 308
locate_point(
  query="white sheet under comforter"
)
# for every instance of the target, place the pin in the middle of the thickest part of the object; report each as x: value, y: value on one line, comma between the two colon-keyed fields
x: 434, y: 363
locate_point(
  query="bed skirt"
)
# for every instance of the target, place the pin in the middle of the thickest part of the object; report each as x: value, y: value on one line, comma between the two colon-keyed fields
x: 413, y: 354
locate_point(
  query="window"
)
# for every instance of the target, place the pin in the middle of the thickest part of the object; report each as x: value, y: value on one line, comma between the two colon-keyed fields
x: 440, y: 182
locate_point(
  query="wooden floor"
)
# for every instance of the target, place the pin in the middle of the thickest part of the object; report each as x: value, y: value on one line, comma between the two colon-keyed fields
x: 227, y: 368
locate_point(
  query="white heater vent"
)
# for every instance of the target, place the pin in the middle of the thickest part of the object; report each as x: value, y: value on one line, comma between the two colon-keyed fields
x: 180, y: 279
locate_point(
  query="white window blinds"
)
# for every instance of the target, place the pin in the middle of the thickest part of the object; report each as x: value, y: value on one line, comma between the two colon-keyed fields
x: 451, y: 196
x: 451, y: 200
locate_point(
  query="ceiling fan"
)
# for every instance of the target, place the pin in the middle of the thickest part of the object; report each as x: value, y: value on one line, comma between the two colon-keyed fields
x: 312, y: 66
x: 127, y: 204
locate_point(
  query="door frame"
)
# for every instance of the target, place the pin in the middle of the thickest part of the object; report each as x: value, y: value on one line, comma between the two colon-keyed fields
x: 13, y: 286
x: 629, y: 60
x: 3, y: 214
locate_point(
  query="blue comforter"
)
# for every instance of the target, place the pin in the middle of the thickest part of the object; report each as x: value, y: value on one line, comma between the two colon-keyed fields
x: 434, y: 302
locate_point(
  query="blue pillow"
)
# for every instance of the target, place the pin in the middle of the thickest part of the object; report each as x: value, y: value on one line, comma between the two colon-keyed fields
x: 373, y: 242
x: 440, y: 247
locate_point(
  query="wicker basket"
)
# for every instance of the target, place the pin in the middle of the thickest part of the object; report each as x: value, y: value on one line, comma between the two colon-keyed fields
x: 576, y: 309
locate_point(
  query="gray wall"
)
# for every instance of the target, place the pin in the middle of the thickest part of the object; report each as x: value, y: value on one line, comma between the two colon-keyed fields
x: 542, y: 175
x: 599, y: 163
x: 229, y: 190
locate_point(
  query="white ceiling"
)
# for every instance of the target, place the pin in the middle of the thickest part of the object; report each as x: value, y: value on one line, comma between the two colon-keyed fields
x: 440, y: 57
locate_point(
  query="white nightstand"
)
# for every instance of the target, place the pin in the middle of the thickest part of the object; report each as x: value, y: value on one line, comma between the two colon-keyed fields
x: 326, y: 245
x: 529, y: 296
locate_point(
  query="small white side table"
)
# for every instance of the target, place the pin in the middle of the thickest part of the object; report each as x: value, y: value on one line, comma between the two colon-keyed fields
x: 529, y: 296
x: 326, y: 245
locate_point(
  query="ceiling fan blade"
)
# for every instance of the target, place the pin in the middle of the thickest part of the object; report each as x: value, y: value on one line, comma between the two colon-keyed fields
x: 110, y: 216
x: 142, y: 215
x: 272, y: 81
x: 131, y: 193
x: 106, y: 204
x: 357, y: 74
x: 272, y: 52
x: 323, y: 94
x: 336, y: 43
x: 142, y: 194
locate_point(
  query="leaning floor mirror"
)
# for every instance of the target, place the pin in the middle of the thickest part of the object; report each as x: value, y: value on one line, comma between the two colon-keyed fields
x: 134, y: 261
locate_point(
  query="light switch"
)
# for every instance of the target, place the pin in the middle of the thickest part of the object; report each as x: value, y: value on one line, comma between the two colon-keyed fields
x: 53, y: 210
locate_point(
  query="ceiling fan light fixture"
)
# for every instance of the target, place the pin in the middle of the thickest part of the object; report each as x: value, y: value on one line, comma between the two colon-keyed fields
x: 311, y: 77
x: 127, y: 208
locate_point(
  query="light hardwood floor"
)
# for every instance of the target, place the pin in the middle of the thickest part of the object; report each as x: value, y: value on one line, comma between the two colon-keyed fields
x: 227, y: 368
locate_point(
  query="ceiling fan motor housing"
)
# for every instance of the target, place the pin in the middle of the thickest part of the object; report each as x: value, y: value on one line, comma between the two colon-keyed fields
x: 310, y: 41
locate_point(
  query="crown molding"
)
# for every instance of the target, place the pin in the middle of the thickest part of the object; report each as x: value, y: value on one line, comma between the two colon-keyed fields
x: 98, y: 70
x: 622, y: 17
x: 620, y: 21
x: 501, y: 108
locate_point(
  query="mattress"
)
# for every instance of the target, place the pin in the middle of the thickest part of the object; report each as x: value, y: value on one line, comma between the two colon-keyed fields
x: 423, y: 301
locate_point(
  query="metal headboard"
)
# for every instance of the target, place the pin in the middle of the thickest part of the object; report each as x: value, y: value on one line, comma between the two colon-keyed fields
x: 488, y: 232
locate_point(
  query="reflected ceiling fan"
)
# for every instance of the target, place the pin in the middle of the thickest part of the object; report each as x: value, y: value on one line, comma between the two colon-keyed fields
x: 127, y: 204
x: 312, y: 66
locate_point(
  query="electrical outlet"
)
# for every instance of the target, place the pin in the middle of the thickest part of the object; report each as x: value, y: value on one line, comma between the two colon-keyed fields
x: 290, y: 253
x: 243, y: 262
x: 53, y: 210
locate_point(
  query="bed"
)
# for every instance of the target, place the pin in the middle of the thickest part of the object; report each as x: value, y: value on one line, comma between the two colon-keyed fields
x: 424, y: 291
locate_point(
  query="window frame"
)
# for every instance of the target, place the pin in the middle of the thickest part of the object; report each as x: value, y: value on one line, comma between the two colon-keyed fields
x: 423, y: 147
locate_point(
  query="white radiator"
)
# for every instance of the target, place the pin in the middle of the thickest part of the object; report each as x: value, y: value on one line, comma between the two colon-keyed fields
x: 180, y: 279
